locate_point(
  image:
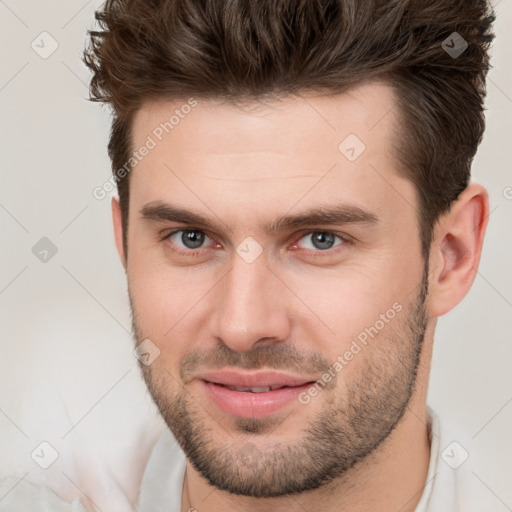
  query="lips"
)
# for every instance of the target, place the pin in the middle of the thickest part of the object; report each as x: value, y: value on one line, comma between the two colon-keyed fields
x: 252, y: 404
x: 253, y: 394
x: 256, y: 382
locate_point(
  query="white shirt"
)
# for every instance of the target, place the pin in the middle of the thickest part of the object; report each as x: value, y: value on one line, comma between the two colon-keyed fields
x: 451, y: 485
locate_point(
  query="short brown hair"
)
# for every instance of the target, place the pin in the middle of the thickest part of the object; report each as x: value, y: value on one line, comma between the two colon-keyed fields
x: 243, y: 50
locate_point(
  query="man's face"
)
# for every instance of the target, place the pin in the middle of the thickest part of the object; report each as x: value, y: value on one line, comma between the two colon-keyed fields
x: 342, y: 297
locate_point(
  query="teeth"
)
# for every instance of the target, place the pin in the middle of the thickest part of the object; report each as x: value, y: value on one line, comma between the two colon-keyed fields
x: 263, y: 389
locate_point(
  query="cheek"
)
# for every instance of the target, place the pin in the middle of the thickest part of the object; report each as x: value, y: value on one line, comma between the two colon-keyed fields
x: 343, y: 303
x: 161, y: 296
x: 164, y: 312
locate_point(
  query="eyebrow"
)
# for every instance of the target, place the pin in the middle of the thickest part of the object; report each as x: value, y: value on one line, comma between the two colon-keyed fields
x: 338, y: 214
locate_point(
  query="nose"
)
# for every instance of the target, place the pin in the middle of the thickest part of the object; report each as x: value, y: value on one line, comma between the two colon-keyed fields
x: 251, y: 306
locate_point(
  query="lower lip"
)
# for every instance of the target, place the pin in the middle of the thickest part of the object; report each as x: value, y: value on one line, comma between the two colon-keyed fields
x: 252, y: 405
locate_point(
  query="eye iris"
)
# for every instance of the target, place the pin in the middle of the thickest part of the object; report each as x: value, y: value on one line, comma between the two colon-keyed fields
x: 192, y: 239
x: 322, y: 240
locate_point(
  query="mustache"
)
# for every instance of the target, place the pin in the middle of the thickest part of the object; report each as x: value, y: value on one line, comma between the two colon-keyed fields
x: 278, y: 357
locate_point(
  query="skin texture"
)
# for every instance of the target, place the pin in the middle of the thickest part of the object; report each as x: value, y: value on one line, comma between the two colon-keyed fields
x: 362, y: 441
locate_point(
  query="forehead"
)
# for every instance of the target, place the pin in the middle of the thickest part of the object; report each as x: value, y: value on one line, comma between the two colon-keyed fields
x: 301, y: 121
x: 307, y: 148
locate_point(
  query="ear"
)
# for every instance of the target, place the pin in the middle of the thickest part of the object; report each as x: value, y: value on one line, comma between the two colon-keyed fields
x: 456, y: 249
x: 118, y: 229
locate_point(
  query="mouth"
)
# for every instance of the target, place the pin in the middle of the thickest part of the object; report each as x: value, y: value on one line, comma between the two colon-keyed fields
x: 253, y: 401
x: 260, y: 389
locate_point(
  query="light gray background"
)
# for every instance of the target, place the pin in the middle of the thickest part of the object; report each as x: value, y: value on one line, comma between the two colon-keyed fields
x: 67, y: 370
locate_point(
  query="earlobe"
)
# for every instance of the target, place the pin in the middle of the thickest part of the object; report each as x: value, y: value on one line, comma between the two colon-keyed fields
x: 118, y: 229
x: 456, y: 249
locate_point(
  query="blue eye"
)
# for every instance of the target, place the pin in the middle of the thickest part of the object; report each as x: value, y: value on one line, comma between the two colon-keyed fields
x: 190, y: 238
x: 323, y: 240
